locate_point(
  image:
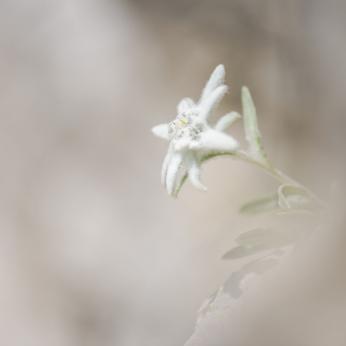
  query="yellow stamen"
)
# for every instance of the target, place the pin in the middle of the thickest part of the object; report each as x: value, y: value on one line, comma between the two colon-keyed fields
x: 182, y: 121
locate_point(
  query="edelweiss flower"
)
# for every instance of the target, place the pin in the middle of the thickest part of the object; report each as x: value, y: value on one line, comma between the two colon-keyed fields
x: 192, y: 136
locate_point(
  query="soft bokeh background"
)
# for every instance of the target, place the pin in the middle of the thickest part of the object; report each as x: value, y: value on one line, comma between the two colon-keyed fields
x: 92, y: 249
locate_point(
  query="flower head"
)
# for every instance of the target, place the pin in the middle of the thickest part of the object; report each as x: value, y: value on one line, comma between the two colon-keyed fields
x: 192, y: 136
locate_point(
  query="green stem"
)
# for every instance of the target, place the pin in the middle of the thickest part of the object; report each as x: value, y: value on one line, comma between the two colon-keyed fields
x: 265, y: 166
x: 277, y: 174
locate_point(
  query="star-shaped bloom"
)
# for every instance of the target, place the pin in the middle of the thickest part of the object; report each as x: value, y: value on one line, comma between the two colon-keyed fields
x: 192, y: 135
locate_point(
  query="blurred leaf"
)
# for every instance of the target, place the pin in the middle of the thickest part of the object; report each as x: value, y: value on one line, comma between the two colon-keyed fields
x: 253, y: 135
x: 260, y: 236
x: 242, y: 251
x: 294, y: 197
x: 260, y: 205
x: 264, y: 241
x: 285, y: 240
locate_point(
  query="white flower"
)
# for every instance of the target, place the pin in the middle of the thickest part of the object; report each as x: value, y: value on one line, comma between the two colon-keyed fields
x: 192, y: 136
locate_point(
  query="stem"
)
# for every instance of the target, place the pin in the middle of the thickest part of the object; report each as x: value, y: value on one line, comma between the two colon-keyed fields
x: 265, y: 166
x: 275, y: 173
x: 180, y: 185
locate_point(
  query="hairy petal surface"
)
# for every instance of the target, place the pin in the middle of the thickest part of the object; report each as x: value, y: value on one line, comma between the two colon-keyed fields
x: 182, y: 144
x: 193, y: 138
x: 213, y: 140
x: 173, y: 170
x: 226, y: 121
x: 216, y: 79
x: 209, y: 104
x: 194, y: 171
x: 161, y: 131
x: 185, y: 104
x: 166, y: 162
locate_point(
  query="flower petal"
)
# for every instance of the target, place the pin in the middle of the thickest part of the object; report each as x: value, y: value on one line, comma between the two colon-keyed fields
x: 194, y: 171
x: 166, y: 162
x: 209, y: 104
x: 173, y: 170
x: 213, y: 140
x: 182, y: 144
x: 185, y: 104
x: 161, y: 131
x: 226, y: 121
x: 216, y: 79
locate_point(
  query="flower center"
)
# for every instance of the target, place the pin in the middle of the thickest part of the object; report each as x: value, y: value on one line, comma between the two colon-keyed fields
x: 187, y: 124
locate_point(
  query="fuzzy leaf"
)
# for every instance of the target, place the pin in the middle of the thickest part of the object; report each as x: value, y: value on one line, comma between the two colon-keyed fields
x: 260, y: 205
x: 253, y: 135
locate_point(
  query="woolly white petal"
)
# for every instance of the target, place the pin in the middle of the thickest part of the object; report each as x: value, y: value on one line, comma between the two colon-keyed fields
x: 216, y: 79
x: 226, y: 121
x: 185, y: 104
x: 173, y: 170
x: 213, y: 140
x: 161, y: 131
x: 209, y: 104
x: 166, y: 162
x: 194, y: 171
x: 182, y: 144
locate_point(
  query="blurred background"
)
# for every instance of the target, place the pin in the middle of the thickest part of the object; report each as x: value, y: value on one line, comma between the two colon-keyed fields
x: 92, y: 249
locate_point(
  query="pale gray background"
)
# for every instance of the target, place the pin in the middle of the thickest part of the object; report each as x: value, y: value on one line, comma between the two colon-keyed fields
x: 92, y: 249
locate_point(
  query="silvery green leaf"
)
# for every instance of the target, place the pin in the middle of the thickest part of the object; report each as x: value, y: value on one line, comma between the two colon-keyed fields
x: 260, y: 205
x: 260, y: 236
x: 287, y: 238
x: 242, y: 251
x: 291, y: 196
x: 253, y: 135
